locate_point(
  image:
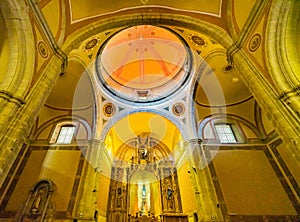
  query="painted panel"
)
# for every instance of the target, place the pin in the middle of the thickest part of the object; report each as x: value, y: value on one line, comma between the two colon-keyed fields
x: 249, y: 184
x: 27, y: 179
x: 60, y: 166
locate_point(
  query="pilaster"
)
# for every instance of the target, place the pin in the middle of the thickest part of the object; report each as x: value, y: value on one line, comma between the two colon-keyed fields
x: 206, y: 197
x: 88, y: 191
x: 284, y: 120
x: 18, y: 73
x: 18, y: 127
x: 246, y: 32
x: 18, y: 111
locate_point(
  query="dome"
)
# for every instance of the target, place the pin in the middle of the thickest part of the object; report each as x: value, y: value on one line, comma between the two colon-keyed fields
x: 143, y: 63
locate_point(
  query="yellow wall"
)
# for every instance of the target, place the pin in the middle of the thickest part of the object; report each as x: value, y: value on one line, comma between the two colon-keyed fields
x: 186, y: 189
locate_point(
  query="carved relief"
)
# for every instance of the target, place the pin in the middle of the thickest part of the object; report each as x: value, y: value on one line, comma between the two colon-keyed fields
x: 91, y: 44
x: 170, y: 194
x: 197, y: 40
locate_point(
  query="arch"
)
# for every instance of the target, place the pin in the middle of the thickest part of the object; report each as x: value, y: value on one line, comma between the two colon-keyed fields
x: 49, y: 183
x: 180, y: 126
x: 150, y: 182
x: 228, y: 118
x: 282, y: 51
x: 284, y: 66
x: 213, y: 31
x: 21, y: 46
x: 94, y: 28
x: 62, y: 119
x: 94, y: 92
x: 39, y: 200
x: 164, y: 150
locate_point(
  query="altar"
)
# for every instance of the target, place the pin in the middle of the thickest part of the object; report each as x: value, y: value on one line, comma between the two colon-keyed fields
x: 144, y: 218
x: 163, y: 218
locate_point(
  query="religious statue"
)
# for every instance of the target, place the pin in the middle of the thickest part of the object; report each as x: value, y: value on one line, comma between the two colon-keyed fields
x: 143, y: 145
x: 38, y: 201
x: 120, y: 196
x: 144, y: 207
x: 169, y: 194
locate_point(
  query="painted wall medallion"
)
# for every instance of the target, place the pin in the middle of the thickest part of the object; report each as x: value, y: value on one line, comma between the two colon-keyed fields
x: 43, y: 49
x: 254, y: 42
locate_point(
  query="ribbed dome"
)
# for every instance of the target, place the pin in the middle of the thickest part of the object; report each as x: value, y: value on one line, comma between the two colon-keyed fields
x: 142, y: 61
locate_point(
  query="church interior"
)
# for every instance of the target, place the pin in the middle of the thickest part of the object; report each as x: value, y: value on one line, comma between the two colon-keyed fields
x: 149, y: 111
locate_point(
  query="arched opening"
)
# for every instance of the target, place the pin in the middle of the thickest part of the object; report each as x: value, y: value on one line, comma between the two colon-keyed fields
x: 144, y: 181
x: 144, y: 195
x: 144, y: 129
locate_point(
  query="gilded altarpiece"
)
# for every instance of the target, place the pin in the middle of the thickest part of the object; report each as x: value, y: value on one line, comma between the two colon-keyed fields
x: 144, y: 187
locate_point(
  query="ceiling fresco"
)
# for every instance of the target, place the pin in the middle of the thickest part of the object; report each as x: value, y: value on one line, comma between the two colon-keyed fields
x: 144, y: 58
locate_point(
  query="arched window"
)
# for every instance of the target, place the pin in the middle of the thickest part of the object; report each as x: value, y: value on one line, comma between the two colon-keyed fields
x: 64, y: 133
x: 222, y: 130
x: 225, y: 133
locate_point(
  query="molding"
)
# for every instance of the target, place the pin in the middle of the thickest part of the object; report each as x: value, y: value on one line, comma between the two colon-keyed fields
x: 217, y: 186
x: 292, y: 194
x: 11, y: 98
x: 251, y: 218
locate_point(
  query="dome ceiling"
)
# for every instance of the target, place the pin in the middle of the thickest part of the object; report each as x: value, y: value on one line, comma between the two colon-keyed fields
x: 126, y: 44
x: 143, y: 58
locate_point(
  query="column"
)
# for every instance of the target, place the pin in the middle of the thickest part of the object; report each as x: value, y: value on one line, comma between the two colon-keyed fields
x: 281, y: 49
x: 17, y: 129
x: 284, y: 121
x: 88, y: 190
x: 281, y: 102
x: 20, y: 103
x: 206, y: 197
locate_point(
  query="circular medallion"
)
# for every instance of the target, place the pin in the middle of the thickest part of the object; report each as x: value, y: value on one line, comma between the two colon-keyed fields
x: 91, y: 44
x: 109, y: 109
x: 42, y: 49
x: 197, y: 40
x: 254, y: 42
x: 178, y: 109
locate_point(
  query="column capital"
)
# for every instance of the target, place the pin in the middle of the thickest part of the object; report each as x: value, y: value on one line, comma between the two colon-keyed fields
x: 96, y: 142
x: 192, y: 142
